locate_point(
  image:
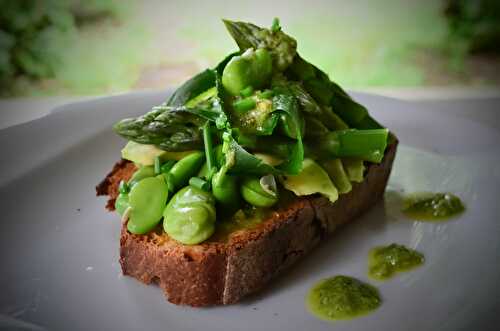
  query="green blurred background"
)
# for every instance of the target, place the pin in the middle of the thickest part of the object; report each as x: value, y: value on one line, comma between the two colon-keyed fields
x: 76, y: 47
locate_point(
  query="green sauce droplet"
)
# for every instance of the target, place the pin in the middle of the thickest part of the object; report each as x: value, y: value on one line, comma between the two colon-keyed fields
x: 341, y: 297
x: 386, y: 261
x: 432, y: 206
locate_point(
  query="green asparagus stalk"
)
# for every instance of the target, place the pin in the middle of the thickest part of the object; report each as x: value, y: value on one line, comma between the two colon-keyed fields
x: 368, y: 145
x: 171, y: 129
x: 178, y: 127
x: 368, y: 123
x: 332, y: 120
x: 281, y: 46
x: 314, y: 127
x: 349, y: 110
x: 328, y: 93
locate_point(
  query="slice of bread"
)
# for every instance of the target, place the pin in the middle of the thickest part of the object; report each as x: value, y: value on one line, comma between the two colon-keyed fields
x: 224, y: 270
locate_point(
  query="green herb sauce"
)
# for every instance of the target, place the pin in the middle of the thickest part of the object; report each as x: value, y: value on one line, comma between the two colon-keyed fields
x: 341, y: 297
x: 432, y: 206
x: 385, y: 261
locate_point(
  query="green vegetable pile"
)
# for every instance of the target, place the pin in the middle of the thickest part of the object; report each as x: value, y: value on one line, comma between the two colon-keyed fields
x: 234, y: 138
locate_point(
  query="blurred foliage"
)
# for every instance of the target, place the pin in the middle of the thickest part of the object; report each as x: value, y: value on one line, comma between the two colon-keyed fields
x: 474, y: 24
x: 89, y: 47
x: 33, y: 33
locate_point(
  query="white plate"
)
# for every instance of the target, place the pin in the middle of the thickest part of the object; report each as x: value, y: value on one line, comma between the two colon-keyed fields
x: 59, y: 247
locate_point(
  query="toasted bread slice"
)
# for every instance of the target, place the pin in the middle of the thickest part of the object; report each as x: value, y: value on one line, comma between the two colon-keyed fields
x: 222, y: 271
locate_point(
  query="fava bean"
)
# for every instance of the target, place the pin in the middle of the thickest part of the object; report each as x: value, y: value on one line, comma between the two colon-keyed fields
x: 165, y: 167
x: 140, y: 174
x: 123, y: 187
x: 168, y: 179
x: 190, y: 216
x: 244, y: 105
x: 263, y: 66
x: 225, y: 190
x: 186, y: 168
x: 147, y: 200
x: 254, y: 193
x: 237, y: 75
x: 266, y: 94
x: 247, y: 91
x: 252, y: 68
x: 121, y: 203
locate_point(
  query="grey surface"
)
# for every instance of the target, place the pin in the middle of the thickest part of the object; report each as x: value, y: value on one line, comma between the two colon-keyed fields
x: 20, y: 110
x: 485, y: 111
x: 59, y: 247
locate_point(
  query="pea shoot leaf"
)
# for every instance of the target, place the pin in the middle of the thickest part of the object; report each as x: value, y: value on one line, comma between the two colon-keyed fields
x: 193, y: 87
x: 239, y: 161
x: 284, y: 102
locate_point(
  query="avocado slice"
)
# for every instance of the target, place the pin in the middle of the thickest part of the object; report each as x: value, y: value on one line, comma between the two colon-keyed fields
x: 312, y: 179
x: 145, y: 155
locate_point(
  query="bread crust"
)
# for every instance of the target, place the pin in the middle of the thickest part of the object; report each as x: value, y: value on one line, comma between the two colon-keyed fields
x: 224, y: 271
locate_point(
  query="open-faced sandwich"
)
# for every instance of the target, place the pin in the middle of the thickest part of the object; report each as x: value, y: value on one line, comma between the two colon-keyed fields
x: 244, y: 169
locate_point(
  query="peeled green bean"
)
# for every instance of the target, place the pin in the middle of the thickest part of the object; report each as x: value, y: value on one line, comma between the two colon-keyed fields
x: 123, y: 187
x: 147, y: 200
x: 253, y: 193
x: 186, y: 168
x: 140, y: 174
x: 252, y: 68
x: 244, y: 105
x: 121, y: 203
x: 190, y: 216
x: 165, y: 167
x: 225, y: 189
x: 247, y: 91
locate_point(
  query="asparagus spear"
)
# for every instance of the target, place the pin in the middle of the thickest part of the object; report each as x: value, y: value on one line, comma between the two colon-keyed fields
x: 171, y: 129
x: 327, y: 92
x: 368, y: 145
x: 281, y: 46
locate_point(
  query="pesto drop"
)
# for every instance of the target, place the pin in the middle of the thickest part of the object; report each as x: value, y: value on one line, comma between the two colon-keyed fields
x: 385, y: 261
x: 432, y: 206
x: 341, y: 297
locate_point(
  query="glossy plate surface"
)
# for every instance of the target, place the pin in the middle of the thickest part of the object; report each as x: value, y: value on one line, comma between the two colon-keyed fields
x: 59, y: 247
